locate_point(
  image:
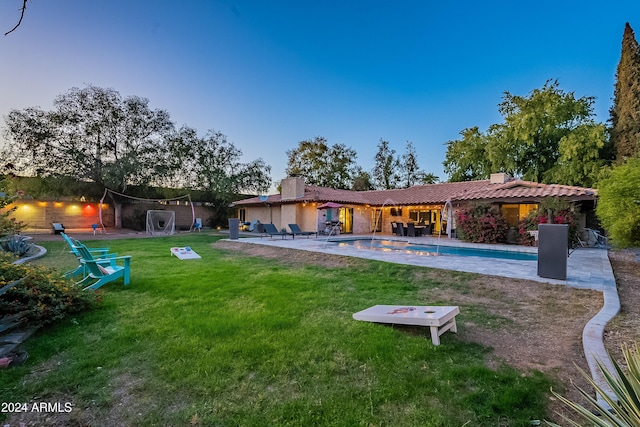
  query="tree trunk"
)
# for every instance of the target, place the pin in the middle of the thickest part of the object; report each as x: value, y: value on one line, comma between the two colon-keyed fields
x: 117, y: 211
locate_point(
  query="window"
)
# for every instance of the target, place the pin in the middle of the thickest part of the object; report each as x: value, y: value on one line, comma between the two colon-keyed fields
x: 420, y: 215
x: 514, y: 213
x: 242, y: 215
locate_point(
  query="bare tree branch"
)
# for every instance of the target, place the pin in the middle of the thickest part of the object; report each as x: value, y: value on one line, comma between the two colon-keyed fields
x: 24, y: 7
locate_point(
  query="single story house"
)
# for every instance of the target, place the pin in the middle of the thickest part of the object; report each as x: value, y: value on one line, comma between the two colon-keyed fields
x: 362, y: 212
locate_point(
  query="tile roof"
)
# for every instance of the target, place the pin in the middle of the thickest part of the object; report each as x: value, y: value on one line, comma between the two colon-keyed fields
x: 526, y: 190
x: 511, y: 191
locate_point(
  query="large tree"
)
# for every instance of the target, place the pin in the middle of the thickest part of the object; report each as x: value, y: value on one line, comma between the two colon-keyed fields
x: 213, y: 164
x: 386, y: 169
x: 619, y: 204
x: 528, y: 143
x: 580, y: 161
x: 625, y: 111
x: 466, y: 158
x: 92, y: 134
x: 362, y: 181
x: 410, y: 171
x: 323, y: 165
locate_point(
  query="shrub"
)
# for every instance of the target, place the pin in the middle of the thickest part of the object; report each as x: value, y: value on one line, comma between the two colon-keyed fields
x: 43, y: 296
x: 481, y: 223
x: 619, y: 204
x: 562, y: 212
x: 8, y: 225
x: 17, y: 244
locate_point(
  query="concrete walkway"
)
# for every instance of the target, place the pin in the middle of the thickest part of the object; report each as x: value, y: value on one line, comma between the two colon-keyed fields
x: 587, y: 268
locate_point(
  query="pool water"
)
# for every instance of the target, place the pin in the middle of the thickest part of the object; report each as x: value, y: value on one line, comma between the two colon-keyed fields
x: 432, y: 250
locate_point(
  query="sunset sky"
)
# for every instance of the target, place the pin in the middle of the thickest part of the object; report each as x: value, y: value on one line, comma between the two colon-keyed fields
x: 269, y: 74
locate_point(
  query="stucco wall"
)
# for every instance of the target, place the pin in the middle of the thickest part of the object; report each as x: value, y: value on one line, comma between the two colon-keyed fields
x: 38, y: 215
x: 308, y: 217
x: 184, y: 215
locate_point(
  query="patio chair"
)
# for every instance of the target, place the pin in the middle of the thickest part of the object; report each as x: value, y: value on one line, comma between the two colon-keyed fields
x: 253, y: 227
x: 101, y: 254
x: 595, y: 239
x: 400, y: 229
x: 296, y: 231
x: 271, y: 230
x: 412, y: 231
x: 100, y: 273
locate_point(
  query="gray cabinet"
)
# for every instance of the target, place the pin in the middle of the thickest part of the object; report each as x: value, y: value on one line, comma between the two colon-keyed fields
x: 553, y: 250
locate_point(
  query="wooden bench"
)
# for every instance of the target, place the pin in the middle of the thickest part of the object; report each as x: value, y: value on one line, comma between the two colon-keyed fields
x: 439, y: 319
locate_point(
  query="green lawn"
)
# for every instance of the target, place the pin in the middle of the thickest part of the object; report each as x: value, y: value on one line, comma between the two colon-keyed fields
x: 233, y: 340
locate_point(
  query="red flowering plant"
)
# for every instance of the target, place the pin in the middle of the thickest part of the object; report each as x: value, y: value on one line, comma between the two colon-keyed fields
x: 481, y: 223
x: 561, y: 212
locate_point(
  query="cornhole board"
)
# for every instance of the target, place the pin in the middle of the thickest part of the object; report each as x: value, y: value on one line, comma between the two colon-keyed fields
x: 185, y: 253
x: 439, y: 319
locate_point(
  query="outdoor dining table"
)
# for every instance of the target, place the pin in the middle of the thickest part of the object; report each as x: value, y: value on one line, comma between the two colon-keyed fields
x: 403, y: 230
x: 419, y: 230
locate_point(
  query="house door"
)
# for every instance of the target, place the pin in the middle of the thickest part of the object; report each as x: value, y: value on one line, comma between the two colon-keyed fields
x: 435, y: 220
x: 346, y: 219
x: 376, y: 220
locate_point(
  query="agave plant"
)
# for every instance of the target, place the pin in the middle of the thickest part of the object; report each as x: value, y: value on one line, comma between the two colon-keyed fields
x: 17, y: 244
x: 624, y: 407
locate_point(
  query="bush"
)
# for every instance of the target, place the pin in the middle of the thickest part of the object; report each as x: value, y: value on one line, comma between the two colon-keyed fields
x: 481, y: 223
x: 619, y: 204
x: 562, y: 212
x: 8, y: 225
x: 16, y: 244
x: 43, y: 296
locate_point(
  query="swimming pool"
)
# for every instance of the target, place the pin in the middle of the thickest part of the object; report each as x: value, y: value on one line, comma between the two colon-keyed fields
x: 432, y: 250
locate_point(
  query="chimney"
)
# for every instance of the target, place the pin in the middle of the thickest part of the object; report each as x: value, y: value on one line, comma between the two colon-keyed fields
x: 499, y: 178
x: 292, y: 187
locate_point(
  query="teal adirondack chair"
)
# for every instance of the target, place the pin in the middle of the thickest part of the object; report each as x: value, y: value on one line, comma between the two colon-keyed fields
x: 100, y: 272
x: 98, y: 253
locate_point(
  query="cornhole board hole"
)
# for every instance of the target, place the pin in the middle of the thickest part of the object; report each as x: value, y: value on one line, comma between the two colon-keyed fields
x: 439, y: 319
x: 185, y: 253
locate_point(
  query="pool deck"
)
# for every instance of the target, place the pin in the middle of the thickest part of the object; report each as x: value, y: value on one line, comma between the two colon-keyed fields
x: 587, y: 268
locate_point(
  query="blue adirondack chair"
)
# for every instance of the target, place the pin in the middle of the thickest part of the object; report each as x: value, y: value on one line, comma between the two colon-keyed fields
x: 100, y: 272
x: 98, y: 253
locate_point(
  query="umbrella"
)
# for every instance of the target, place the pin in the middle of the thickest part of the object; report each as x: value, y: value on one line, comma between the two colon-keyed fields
x: 330, y: 205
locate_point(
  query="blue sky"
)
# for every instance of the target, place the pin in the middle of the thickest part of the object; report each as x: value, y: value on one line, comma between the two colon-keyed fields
x: 269, y: 74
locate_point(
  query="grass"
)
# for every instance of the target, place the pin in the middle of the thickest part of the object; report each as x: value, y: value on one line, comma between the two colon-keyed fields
x: 236, y: 340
